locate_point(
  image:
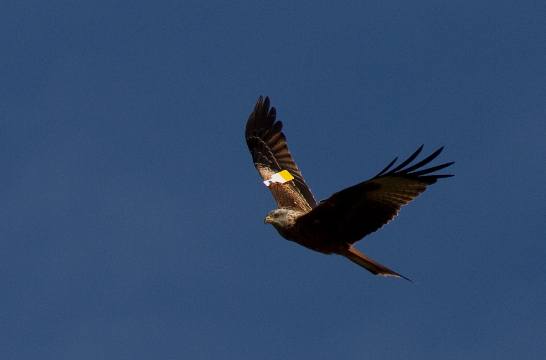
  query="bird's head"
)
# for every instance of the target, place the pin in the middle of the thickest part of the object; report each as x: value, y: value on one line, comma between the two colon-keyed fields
x: 277, y: 217
x: 281, y: 219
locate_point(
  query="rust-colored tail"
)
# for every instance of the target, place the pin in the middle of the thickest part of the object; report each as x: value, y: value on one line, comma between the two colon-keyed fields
x: 370, y: 265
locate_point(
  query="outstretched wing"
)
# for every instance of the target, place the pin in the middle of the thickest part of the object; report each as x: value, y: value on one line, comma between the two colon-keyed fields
x: 364, y: 208
x: 270, y: 154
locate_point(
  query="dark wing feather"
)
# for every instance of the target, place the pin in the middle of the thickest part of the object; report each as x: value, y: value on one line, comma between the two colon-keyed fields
x: 364, y: 208
x: 270, y: 154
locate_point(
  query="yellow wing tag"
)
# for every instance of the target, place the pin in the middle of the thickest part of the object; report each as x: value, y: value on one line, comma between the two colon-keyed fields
x: 280, y: 177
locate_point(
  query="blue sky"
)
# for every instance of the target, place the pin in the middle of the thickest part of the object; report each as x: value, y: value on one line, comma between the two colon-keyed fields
x: 131, y: 216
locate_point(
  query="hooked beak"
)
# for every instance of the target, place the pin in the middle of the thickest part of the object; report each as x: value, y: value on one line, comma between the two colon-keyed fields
x: 268, y: 220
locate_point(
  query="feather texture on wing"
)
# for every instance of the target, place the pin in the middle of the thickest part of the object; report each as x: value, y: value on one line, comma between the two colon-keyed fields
x: 270, y: 154
x: 361, y: 209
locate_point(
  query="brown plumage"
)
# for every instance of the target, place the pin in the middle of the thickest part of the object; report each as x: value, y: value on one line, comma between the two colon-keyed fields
x: 335, y: 224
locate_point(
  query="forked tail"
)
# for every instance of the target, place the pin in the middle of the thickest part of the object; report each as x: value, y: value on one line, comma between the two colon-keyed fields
x: 370, y: 265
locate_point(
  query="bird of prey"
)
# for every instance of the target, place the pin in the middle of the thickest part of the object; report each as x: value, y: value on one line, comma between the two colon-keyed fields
x: 334, y: 225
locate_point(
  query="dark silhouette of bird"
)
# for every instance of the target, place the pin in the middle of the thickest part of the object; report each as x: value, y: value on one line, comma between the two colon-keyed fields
x: 334, y: 225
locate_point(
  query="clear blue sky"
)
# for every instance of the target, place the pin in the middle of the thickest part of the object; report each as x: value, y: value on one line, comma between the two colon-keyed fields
x: 131, y: 216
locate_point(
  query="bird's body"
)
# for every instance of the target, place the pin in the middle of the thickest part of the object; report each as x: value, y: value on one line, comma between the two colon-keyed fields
x: 335, y: 224
x: 312, y: 236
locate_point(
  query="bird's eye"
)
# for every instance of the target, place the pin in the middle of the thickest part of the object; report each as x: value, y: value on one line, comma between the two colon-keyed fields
x: 276, y: 216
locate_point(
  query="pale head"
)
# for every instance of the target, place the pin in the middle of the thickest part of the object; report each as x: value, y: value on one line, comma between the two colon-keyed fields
x: 282, y: 219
